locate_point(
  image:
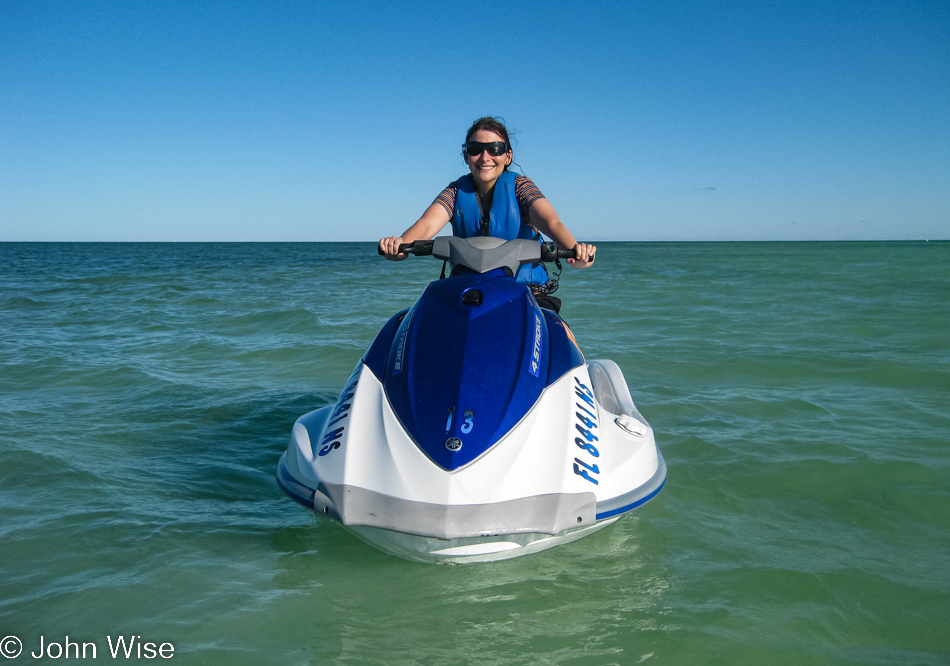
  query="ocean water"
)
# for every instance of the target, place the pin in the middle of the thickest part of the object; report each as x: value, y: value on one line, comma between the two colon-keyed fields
x: 800, y: 393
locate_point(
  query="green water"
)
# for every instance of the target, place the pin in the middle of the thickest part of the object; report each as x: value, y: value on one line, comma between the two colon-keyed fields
x: 800, y: 393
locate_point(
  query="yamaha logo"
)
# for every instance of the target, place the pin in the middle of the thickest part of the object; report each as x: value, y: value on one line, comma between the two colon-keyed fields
x: 453, y: 443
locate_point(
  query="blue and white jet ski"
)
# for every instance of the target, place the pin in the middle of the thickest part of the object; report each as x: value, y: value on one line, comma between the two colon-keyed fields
x: 473, y: 429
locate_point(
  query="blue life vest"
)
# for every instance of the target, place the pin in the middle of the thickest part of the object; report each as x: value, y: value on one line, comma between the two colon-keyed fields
x: 504, y: 219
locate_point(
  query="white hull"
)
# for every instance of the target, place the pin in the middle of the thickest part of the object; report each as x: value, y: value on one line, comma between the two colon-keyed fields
x: 538, y: 487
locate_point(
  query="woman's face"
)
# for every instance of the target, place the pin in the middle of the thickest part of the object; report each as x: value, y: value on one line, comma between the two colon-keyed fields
x: 485, y: 168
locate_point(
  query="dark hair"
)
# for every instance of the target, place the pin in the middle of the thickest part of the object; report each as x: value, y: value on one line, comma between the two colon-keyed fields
x: 492, y: 124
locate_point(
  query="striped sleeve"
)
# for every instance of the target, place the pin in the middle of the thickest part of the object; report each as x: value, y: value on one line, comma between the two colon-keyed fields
x: 447, y: 198
x: 526, y: 192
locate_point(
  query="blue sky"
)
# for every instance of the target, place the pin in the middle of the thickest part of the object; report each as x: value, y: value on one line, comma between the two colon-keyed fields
x: 310, y: 121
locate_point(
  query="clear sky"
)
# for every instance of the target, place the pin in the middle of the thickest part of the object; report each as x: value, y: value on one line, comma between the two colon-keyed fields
x: 305, y: 121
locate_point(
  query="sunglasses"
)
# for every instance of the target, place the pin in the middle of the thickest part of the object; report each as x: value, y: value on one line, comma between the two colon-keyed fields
x: 495, y: 148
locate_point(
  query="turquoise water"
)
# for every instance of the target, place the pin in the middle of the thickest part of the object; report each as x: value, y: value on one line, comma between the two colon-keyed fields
x: 800, y: 393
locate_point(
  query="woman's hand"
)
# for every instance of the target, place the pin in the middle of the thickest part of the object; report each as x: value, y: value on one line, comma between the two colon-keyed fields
x: 390, y: 247
x: 585, y: 255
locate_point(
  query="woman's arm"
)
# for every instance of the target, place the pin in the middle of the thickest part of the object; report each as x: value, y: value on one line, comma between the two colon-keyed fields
x: 544, y: 218
x: 427, y: 226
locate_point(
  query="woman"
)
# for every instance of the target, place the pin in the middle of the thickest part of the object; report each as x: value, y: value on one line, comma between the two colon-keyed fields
x: 515, y: 207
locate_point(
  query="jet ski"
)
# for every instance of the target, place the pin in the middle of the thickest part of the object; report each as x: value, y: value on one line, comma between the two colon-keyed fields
x: 473, y: 429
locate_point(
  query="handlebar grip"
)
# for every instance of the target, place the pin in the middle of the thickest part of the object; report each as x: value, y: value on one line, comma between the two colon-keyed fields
x: 551, y: 252
x: 419, y: 248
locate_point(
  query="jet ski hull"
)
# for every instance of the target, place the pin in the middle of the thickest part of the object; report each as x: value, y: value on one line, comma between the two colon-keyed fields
x: 506, y: 522
x: 473, y: 429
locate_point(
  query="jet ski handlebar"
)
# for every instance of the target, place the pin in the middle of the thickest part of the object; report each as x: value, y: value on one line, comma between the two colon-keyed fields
x: 550, y: 252
x: 482, y: 254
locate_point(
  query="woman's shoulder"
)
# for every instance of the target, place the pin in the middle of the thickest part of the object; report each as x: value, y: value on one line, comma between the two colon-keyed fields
x: 447, y: 196
x: 526, y: 191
